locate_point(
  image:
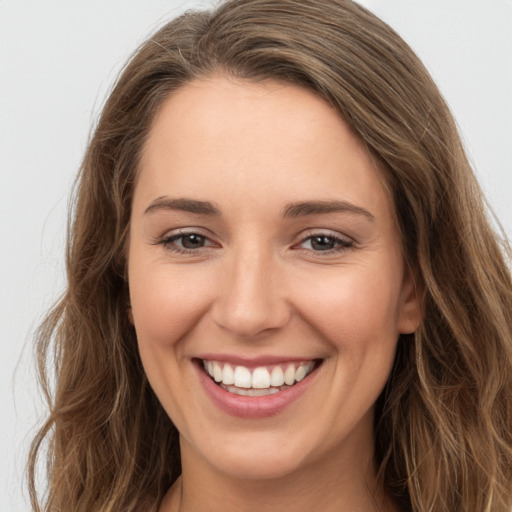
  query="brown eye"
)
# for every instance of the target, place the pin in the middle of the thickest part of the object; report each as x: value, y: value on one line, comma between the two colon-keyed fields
x: 192, y: 241
x: 326, y: 243
x: 186, y: 242
x: 322, y: 243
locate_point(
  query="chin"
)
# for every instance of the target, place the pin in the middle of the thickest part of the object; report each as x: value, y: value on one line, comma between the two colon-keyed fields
x: 260, y: 464
x: 260, y: 455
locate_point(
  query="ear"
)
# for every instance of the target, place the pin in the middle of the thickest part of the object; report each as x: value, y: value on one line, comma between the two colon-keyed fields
x: 410, y: 314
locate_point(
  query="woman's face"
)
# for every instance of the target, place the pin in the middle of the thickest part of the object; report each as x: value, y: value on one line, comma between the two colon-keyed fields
x: 263, y: 255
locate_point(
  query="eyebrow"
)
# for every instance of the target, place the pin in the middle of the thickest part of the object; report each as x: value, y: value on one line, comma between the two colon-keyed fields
x: 305, y: 208
x: 296, y: 209
x: 183, y: 204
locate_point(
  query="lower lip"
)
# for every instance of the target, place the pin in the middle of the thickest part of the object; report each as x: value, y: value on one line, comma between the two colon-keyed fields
x: 252, y: 406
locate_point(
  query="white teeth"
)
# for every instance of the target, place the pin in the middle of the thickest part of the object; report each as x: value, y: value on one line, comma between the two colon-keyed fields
x: 242, y: 377
x: 289, y: 375
x: 260, y: 381
x: 228, y: 375
x: 277, y: 377
x: 217, y: 372
x: 260, y: 378
x: 300, y: 373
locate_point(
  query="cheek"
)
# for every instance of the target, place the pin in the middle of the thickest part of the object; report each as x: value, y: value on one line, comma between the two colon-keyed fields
x: 165, y: 305
x: 352, y: 307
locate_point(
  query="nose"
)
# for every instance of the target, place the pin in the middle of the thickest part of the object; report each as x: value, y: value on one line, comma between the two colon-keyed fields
x: 251, y: 298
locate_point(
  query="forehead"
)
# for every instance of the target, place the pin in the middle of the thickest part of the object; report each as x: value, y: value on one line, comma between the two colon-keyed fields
x: 245, y: 137
x: 213, y: 108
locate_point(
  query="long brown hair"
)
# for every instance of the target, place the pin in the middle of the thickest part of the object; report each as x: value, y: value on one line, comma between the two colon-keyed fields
x: 444, y: 422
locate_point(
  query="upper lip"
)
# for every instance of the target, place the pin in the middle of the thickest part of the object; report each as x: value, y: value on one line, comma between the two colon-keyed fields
x: 253, y: 362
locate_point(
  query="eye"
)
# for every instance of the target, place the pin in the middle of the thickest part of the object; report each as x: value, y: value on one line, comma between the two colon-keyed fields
x: 191, y: 241
x: 186, y: 242
x: 326, y: 243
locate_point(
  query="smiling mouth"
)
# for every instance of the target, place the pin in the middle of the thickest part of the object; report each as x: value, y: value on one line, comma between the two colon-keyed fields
x: 259, y: 381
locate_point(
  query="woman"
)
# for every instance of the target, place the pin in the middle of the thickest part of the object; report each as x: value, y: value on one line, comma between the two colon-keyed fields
x: 283, y: 290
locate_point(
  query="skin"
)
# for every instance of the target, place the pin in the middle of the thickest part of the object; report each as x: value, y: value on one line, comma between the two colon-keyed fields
x: 255, y: 284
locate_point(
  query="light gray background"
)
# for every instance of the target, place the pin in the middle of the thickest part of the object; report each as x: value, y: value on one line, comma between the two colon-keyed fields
x: 58, y: 60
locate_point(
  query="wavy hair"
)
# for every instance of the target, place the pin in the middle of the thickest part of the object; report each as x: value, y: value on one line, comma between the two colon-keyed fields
x: 443, y: 424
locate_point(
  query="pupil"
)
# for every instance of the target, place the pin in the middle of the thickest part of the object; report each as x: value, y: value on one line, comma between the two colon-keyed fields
x: 192, y: 241
x: 322, y: 243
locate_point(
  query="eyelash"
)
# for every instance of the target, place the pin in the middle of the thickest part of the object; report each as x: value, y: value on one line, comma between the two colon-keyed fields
x: 340, y: 244
x: 169, y: 242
